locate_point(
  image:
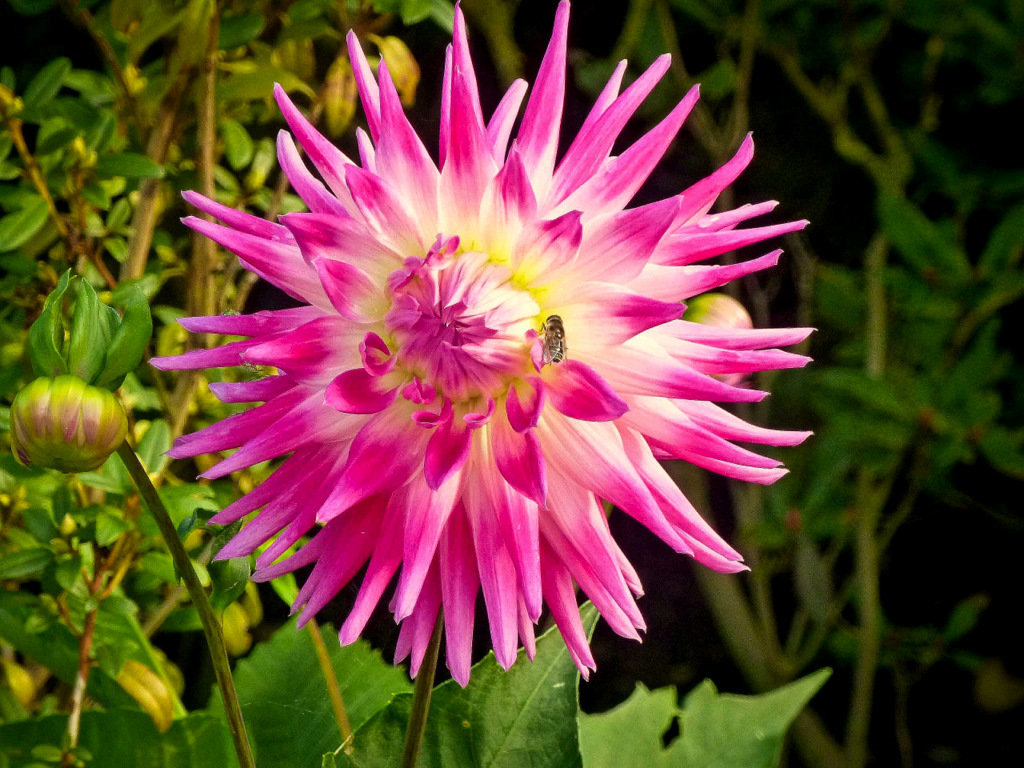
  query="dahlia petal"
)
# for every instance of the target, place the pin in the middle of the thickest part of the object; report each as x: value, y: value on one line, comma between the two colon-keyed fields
x: 619, y: 246
x: 382, y: 211
x: 607, y: 96
x: 447, y: 451
x: 524, y: 403
x: 224, y: 356
x: 538, y: 134
x: 617, y: 314
x: 463, y: 63
x: 257, y: 391
x: 445, y: 127
x: 236, y: 429
x: 677, y: 508
x: 313, y: 193
x: 708, y: 359
x: 460, y: 583
x: 356, y: 391
x: 367, y: 152
x: 698, y: 198
x: 332, y: 238
x: 497, y: 578
x: 526, y: 634
x: 731, y: 427
x: 426, y: 513
x: 724, y: 220
x: 520, y: 460
x: 504, y: 116
x: 577, y: 390
x: 311, y: 351
x: 374, y: 466
x: 545, y: 246
x: 369, y: 94
x: 561, y: 599
x: 738, y: 338
x: 468, y: 164
x: 258, y: 324
x: 276, y: 262
x: 686, y: 247
x: 384, y: 562
x: 508, y: 202
x: 417, y: 630
x: 614, y: 185
x: 290, y: 473
x: 328, y: 160
x: 590, y: 147
x: 401, y: 156
x: 349, y: 289
x: 640, y: 367
x: 240, y: 220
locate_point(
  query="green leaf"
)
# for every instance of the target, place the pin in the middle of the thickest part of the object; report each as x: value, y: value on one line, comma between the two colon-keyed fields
x: 635, y: 728
x: 273, y: 703
x: 46, y: 336
x: 25, y: 563
x: 24, y: 624
x: 921, y: 243
x: 154, y: 445
x: 130, y: 165
x: 1005, y: 244
x: 238, y: 145
x: 525, y: 716
x: 725, y: 731
x: 109, y: 528
x: 236, y: 31
x: 229, y: 578
x: 16, y: 228
x: 47, y: 83
x: 124, y: 738
x: 129, y: 340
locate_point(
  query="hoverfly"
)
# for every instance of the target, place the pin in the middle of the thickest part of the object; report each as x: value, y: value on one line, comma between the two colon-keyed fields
x: 554, y: 340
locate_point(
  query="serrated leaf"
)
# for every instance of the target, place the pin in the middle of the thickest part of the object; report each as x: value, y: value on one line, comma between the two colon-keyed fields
x: 635, y: 728
x: 725, y: 731
x: 525, y: 716
x: 127, y: 738
x: 18, y: 227
x: 272, y: 703
x: 47, y: 83
x: 131, y: 165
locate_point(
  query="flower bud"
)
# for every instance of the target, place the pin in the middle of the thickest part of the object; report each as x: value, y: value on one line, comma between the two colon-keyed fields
x: 146, y: 687
x: 236, y: 625
x: 718, y: 309
x: 19, y: 681
x: 66, y: 424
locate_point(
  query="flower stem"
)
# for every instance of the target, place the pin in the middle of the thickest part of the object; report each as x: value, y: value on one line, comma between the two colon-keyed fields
x: 333, y: 689
x: 421, y: 698
x: 211, y: 625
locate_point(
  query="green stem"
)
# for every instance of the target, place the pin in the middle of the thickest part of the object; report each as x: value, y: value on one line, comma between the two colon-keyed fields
x: 421, y: 698
x: 211, y: 625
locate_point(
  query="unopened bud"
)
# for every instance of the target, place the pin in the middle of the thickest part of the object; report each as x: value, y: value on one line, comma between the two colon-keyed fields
x: 718, y: 309
x: 66, y: 424
x: 401, y: 64
x: 146, y: 687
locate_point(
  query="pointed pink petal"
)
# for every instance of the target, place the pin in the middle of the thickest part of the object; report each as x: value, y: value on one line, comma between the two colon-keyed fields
x: 257, y: 391
x: 369, y: 94
x: 356, y: 391
x: 328, y: 160
x: 313, y: 193
x: 500, y: 126
x: 524, y: 403
x: 240, y: 220
x: 387, y: 556
x: 349, y: 288
x: 447, y: 451
x: 561, y: 599
x: 459, y: 585
x: 520, y: 460
x: 577, y: 390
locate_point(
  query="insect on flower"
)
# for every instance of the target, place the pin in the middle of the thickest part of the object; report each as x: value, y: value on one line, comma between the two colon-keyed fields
x: 555, y: 348
x: 422, y: 433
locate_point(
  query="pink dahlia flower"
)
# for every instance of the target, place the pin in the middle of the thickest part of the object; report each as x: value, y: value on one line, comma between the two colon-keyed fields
x: 487, y: 348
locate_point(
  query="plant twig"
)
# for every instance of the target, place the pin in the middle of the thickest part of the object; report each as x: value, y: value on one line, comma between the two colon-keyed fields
x: 421, y: 698
x: 211, y: 624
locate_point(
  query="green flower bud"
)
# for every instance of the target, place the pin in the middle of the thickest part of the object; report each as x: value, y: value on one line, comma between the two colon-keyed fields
x: 66, y: 424
x: 718, y: 309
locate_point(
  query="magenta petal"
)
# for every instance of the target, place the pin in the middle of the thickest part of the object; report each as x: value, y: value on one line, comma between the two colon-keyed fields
x: 447, y: 451
x: 524, y: 403
x: 348, y: 288
x: 459, y: 586
x: 520, y: 460
x: 577, y: 390
x: 356, y: 391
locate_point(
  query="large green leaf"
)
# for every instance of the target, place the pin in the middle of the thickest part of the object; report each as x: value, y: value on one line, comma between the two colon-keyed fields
x: 635, y: 729
x: 523, y: 717
x: 47, y: 82
x: 126, y: 738
x: 284, y: 697
x: 717, y: 731
x: 725, y: 731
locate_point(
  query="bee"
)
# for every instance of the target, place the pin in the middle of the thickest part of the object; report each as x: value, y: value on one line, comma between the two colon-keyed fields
x: 553, y: 333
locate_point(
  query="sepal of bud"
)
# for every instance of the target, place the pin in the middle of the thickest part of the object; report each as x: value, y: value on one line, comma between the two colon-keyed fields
x: 66, y: 424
